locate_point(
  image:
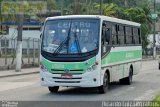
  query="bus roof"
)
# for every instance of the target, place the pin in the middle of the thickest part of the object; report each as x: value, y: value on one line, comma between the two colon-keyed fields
x: 110, y: 19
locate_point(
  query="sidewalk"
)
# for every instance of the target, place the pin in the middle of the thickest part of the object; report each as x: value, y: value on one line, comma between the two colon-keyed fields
x: 148, y: 59
x: 10, y: 73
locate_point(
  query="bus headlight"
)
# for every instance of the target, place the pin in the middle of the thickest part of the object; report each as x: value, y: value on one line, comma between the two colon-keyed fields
x: 89, y: 69
x: 43, y: 68
x: 93, y: 67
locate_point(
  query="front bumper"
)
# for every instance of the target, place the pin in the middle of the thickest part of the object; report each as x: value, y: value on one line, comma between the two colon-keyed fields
x: 88, y: 79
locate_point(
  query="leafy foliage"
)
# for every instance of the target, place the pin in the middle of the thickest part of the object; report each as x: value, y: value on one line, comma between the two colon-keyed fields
x: 139, y: 13
x: 133, y: 10
x: 108, y: 9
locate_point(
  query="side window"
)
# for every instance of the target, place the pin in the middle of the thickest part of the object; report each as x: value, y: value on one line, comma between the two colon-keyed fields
x: 139, y: 35
x: 121, y: 34
x: 124, y: 35
x: 114, y: 34
x: 132, y: 36
x: 135, y: 35
x: 128, y: 35
x: 106, y: 35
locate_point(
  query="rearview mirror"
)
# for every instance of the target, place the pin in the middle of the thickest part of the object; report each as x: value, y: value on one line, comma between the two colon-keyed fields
x: 40, y: 35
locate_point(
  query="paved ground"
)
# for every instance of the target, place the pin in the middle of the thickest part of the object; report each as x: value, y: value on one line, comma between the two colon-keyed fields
x: 11, y: 73
x: 27, y: 88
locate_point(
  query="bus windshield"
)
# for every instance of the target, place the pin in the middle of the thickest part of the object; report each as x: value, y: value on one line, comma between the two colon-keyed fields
x: 74, y: 36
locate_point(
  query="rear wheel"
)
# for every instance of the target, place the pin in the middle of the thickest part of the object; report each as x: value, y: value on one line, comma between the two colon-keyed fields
x: 127, y: 80
x: 53, y: 89
x: 103, y: 88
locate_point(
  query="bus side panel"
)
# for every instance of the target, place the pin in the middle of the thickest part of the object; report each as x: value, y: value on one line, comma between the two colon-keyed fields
x: 126, y: 70
x: 119, y: 72
x: 103, y: 70
x: 137, y: 67
x: 115, y: 73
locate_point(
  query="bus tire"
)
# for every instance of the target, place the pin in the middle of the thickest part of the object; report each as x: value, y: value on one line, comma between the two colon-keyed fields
x: 127, y: 80
x: 159, y: 66
x: 53, y: 89
x: 103, y: 88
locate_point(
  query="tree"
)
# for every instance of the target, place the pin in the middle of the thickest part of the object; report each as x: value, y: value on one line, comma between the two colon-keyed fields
x: 51, y: 4
x: 140, y: 15
x: 87, y: 7
x: 136, y: 12
x: 76, y: 7
x: 81, y: 7
x: 108, y: 9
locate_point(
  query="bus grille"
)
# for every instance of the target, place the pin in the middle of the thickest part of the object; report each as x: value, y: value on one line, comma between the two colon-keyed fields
x: 70, y: 73
x: 67, y: 78
x: 70, y: 70
x: 67, y: 81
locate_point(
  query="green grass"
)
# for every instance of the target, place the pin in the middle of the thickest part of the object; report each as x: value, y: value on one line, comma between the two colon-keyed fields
x: 155, y: 100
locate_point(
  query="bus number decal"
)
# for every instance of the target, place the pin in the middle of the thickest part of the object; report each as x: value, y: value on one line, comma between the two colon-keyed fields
x: 58, y: 66
x: 129, y: 55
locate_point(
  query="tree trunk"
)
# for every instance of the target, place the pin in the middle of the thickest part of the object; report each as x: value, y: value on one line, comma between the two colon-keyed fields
x: 126, y: 3
x: 62, y: 7
x: 76, y: 9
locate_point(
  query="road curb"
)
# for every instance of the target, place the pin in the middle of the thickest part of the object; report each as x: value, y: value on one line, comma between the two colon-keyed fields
x: 12, y: 67
x: 149, y: 59
x: 12, y: 75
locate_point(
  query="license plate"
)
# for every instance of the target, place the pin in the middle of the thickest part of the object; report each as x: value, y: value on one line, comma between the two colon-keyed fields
x: 66, y: 76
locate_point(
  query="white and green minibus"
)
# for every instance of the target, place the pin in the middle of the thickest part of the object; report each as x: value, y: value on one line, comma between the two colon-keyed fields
x: 89, y: 51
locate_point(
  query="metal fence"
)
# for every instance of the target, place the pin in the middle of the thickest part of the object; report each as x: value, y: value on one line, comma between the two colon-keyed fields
x: 30, y: 52
x: 149, y: 53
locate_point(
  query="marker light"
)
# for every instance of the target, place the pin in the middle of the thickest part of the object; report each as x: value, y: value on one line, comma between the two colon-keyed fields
x: 96, y: 63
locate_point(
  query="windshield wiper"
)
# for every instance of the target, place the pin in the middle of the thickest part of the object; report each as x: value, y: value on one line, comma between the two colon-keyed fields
x: 77, y: 42
x: 66, y: 40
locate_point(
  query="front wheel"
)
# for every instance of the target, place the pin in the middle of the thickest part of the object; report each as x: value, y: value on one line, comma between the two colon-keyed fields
x: 53, y: 89
x: 103, y: 88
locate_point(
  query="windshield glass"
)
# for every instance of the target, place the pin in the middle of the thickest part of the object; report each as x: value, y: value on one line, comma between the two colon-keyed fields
x: 70, y: 36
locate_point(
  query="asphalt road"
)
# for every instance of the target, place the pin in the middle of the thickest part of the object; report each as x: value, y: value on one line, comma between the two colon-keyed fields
x: 27, y: 88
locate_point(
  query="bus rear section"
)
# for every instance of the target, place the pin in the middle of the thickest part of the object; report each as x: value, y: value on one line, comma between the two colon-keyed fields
x: 121, y: 51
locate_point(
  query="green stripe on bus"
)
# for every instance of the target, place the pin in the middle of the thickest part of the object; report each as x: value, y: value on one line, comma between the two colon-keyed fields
x: 51, y: 66
x: 113, y: 57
